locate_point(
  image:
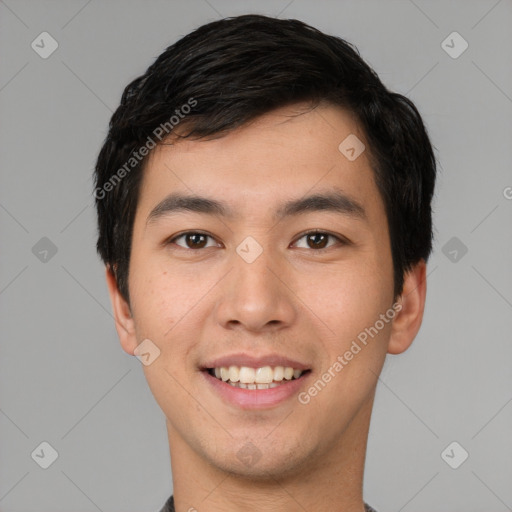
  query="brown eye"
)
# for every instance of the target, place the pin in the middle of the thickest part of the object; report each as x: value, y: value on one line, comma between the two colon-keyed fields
x: 195, y: 240
x: 192, y: 239
x: 319, y: 240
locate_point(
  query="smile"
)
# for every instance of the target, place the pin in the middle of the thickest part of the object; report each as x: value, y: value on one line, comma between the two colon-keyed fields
x: 265, y: 377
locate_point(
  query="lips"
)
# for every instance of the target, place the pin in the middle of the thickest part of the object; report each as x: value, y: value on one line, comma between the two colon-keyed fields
x: 251, y: 381
x: 257, y: 396
x: 244, y: 359
x: 250, y: 373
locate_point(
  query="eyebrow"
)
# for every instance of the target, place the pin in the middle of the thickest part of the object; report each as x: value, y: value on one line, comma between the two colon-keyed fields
x: 333, y: 201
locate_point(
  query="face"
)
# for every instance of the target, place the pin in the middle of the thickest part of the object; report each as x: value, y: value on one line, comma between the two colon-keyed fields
x: 237, y: 281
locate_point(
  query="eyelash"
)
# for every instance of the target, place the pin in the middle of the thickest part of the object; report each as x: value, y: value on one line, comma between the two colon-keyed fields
x: 341, y: 240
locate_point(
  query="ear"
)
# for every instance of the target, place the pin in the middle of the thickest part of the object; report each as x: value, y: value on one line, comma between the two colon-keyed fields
x: 407, y: 322
x: 125, y: 325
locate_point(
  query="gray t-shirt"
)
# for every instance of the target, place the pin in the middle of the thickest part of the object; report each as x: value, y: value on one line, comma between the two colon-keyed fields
x: 169, y: 506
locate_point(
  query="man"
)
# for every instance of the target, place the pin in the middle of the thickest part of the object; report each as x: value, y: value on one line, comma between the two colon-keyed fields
x: 264, y: 210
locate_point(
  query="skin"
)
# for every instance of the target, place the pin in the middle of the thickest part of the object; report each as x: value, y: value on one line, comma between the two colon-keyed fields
x: 196, y: 304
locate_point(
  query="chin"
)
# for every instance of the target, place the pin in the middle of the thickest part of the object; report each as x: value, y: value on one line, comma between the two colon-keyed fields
x: 262, y: 461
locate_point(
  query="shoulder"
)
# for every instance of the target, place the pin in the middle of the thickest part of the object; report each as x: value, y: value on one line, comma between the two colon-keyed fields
x: 169, y: 505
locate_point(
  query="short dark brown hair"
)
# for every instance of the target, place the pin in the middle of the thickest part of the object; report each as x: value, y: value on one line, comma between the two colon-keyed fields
x: 227, y: 73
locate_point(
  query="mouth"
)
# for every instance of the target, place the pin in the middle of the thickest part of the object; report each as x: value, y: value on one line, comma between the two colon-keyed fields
x: 264, y: 377
x: 248, y: 381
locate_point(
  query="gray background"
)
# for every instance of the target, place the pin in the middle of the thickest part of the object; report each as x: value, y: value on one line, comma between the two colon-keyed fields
x: 64, y: 378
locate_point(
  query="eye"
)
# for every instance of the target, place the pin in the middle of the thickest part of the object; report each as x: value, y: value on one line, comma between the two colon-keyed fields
x: 318, y: 240
x: 193, y: 240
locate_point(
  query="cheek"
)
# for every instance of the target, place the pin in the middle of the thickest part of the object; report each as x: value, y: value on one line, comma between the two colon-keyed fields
x: 163, y: 310
x: 159, y: 298
x: 356, y: 343
x: 166, y: 309
x: 348, y: 297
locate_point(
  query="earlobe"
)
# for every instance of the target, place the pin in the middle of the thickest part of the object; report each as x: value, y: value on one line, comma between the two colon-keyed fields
x: 124, y: 322
x: 407, y: 322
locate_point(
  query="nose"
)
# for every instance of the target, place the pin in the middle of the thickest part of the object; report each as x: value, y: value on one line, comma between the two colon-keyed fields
x: 257, y: 296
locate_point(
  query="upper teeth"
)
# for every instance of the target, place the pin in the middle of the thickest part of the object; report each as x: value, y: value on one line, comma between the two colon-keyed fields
x: 263, y: 375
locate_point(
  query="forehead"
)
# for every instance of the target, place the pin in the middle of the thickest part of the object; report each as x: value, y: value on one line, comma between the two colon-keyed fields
x: 288, y: 153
